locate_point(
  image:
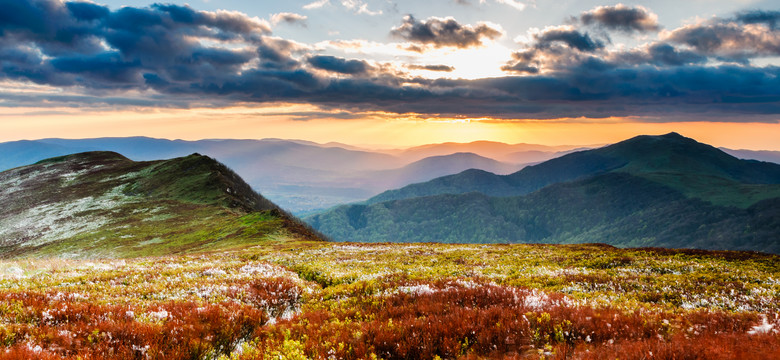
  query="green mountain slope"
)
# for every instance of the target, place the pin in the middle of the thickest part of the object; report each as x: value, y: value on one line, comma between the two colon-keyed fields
x: 615, y: 208
x: 101, y: 204
x: 691, y: 167
x: 666, y: 191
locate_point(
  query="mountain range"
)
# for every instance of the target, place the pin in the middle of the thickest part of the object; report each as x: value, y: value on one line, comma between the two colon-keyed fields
x: 667, y: 190
x: 761, y: 155
x: 508, y: 153
x: 302, y: 176
x: 306, y: 177
x: 101, y: 204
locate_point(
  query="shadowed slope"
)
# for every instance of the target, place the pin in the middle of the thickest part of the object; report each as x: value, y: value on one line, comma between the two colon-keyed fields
x: 691, y: 167
x: 667, y: 191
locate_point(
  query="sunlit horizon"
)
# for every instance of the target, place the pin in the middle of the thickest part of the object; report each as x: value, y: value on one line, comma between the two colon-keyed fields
x: 375, y: 131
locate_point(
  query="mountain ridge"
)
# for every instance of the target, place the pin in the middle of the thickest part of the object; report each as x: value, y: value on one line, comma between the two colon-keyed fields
x: 634, y: 193
x: 301, y: 176
x: 635, y: 155
x: 101, y: 204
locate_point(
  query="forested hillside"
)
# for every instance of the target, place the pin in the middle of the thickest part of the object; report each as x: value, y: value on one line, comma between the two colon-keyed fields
x: 666, y: 191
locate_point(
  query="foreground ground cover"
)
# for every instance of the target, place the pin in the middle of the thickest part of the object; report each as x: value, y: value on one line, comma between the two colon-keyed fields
x: 392, y: 301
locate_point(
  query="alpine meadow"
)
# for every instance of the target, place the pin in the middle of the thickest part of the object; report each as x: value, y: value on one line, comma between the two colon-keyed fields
x: 389, y: 179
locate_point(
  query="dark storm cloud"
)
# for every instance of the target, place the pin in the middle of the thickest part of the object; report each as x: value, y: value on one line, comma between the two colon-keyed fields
x: 227, y: 23
x: 594, y: 90
x: 566, y: 60
x: 770, y: 18
x: 659, y: 54
x: 52, y: 26
x: 197, y: 58
x: 339, y: 65
x: 85, y: 11
x: 90, y: 46
x: 570, y: 37
x: 608, y: 91
x: 440, y: 32
x: 105, y: 67
x: 621, y: 18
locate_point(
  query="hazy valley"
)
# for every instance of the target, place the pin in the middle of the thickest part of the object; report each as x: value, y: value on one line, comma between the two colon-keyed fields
x: 303, y: 176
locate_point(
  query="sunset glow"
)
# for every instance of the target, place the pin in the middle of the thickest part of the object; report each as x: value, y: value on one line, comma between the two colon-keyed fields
x: 393, y: 74
x: 379, y: 130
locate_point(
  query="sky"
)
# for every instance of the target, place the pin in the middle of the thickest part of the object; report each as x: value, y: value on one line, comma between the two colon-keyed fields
x: 392, y: 73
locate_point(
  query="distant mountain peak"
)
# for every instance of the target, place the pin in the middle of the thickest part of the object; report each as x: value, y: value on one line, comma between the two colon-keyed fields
x: 670, y: 138
x: 673, y: 135
x: 673, y: 159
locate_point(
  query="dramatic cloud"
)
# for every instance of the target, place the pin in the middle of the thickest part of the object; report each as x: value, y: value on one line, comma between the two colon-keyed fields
x: 642, y: 91
x: 554, y: 48
x: 290, y: 18
x: 729, y: 40
x: 568, y: 36
x: 176, y: 56
x: 54, y: 28
x: 441, y: 32
x: 51, y: 42
x: 621, y: 18
x: 658, y: 54
x: 748, y: 36
x: 339, y: 65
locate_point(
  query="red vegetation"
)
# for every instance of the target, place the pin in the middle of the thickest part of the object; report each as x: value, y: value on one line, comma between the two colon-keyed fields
x: 395, y: 319
x: 682, y: 347
x: 51, y: 326
x: 275, y: 295
x: 450, y: 319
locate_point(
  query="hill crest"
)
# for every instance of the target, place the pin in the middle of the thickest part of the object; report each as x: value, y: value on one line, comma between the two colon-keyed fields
x: 671, y: 159
x: 98, y: 204
x: 667, y: 191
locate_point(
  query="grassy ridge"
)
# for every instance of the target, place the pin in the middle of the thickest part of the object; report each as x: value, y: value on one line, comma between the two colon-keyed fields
x: 100, y: 204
